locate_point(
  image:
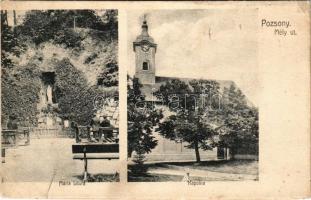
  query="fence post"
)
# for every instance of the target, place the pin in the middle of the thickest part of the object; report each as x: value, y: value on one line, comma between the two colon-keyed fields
x: 85, y: 165
x: 3, y: 155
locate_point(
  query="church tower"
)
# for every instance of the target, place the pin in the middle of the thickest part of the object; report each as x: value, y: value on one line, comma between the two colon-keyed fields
x: 145, y: 49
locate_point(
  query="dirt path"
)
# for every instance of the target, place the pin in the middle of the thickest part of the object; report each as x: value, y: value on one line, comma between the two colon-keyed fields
x: 49, y: 159
x: 207, y: 175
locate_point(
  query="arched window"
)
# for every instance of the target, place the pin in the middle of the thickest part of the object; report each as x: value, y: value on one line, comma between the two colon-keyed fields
x: 145, y: 66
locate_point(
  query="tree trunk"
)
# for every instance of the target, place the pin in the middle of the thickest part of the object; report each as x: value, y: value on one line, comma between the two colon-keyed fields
x: 197, y: 153
x: 232, y: 153
x: 14, y: 18
x: 4, y: 15
x: 225, y: 153
x: 129, y: 153
x: 228, y: 154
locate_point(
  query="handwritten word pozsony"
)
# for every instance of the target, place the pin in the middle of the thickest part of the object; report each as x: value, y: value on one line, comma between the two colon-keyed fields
x: 272, y: 23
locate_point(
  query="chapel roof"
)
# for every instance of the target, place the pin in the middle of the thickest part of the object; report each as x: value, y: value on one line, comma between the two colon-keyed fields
x: 149, y: 89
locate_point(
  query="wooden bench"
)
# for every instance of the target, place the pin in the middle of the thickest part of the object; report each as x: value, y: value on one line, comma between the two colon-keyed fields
x: 108, y: 152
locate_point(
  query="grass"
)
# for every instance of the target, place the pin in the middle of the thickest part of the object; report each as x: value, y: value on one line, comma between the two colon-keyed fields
x: 240, y: 167
x: 222, y: 166
x: 101, y: 177
x: 165, y: 178
x: 225, y: 166
x: 154, y: 178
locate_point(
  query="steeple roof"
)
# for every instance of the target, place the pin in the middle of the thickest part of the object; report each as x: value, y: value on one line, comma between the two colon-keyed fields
x: 144, y: 36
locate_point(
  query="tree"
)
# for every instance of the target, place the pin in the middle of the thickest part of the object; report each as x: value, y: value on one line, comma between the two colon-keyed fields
x: 196, y: 112
x: 142, y: 117
x: 110, y: 74
x: 240, y: 122
x: 11, y: 44
x: 110, y: 18
x: 41, y: 26
x: 20, y: 84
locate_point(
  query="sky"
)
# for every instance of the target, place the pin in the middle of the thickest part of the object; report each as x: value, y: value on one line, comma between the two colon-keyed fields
x: 219, y: 44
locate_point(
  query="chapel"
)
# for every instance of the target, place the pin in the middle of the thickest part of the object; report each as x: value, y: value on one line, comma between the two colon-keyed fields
x: 145, y: 49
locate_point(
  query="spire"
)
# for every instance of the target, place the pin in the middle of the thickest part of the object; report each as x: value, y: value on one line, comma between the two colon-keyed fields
x: 144, y: 35
x: 144, y: 27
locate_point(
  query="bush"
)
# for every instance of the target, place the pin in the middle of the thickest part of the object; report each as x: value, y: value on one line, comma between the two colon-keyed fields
x: 68, y: 37
x: 20, y: 93
x: 139, y: 168
x: 75, y: 97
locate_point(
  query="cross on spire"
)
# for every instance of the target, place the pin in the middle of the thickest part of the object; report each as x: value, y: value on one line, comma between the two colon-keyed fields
x: 145, y: 17
x: 145, y: 26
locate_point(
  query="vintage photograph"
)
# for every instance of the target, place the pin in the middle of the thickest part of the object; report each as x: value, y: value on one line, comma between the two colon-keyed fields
x: 59, y: 96
x: 155, y: 100
x: 192, y: 102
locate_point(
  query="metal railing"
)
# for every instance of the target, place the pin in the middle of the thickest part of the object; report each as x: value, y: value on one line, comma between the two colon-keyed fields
x: 35, y: 132
x: 104, y: 134
x: 10, y: 138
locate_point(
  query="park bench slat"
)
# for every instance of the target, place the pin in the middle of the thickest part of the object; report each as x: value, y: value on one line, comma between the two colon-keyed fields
x: 95, y: 148
x: 107, y: 157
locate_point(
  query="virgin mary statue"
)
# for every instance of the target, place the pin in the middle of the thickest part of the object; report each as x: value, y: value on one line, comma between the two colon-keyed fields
x: 49, y: 94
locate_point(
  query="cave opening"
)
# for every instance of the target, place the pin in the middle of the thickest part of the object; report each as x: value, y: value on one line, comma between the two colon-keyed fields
x: 48, y: 79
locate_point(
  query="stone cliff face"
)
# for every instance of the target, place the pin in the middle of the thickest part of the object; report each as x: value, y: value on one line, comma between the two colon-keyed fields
x: 91, y: 59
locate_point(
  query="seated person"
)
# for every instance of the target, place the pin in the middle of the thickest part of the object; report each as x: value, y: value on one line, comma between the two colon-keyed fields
x: 105, y: 123
x: 12, y: 123
x: 27, y: 131
x: 75, y: 129
x: 94, y: 131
